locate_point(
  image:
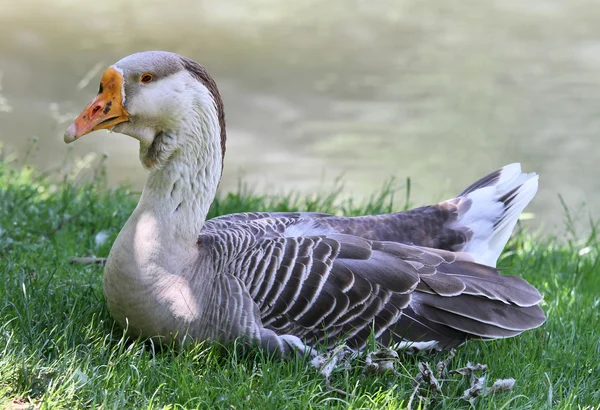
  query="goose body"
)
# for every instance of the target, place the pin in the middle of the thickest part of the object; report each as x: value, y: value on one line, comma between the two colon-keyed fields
x: 291, y: 281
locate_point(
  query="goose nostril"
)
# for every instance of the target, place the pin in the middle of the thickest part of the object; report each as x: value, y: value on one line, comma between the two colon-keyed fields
x: 95, y: 109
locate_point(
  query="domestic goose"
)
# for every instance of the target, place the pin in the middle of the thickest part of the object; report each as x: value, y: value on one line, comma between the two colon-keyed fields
x: 292, y: 281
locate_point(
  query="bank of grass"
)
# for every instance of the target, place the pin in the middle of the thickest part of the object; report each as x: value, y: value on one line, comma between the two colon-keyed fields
x: 59, y: 347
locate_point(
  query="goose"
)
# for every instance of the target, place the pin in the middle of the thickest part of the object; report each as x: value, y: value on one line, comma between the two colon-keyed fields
x: 291, y: 281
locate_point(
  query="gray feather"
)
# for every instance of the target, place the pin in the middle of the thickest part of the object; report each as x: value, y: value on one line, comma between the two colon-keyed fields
x: 323, y: 278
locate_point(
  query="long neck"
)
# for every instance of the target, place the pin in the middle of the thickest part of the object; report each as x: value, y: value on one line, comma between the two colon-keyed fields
x: 179, y: 194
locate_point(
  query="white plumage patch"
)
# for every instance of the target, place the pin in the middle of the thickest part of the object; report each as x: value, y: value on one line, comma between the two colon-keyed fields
x: 306, y: 228
x: 415, y: 346
x: 489, y: 219
x: 123, y: 96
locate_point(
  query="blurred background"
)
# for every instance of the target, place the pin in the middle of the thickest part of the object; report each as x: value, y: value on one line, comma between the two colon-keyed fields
x: 442, y: 92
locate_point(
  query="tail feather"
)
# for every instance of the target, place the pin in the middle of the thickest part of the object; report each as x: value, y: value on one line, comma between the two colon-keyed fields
x: 467, y: 297
x: 490, y: 208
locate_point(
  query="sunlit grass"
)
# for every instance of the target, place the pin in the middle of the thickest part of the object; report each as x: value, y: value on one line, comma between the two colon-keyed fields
x: 60, y: 348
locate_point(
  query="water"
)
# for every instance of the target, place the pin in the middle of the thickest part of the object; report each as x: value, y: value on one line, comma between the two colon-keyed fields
x: 443, y: 92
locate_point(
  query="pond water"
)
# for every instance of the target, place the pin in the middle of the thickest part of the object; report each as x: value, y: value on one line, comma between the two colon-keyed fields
x: 442, y: 92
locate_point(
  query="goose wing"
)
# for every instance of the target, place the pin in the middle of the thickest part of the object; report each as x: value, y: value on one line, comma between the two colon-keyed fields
x: 428, y: 226
x: 479, y: 221
x: 327, y: 286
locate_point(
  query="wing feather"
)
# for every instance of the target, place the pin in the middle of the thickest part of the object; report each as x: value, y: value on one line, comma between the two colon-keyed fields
x: 335, y: 285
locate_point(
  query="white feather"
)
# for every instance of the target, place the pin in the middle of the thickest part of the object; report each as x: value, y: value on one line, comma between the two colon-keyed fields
x: 306, y: 228
x: 123, y: 96
x: 487, y: 210
x: 415, y: 346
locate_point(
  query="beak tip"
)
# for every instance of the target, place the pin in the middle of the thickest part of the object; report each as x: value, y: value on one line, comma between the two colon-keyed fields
x: 70, y: 134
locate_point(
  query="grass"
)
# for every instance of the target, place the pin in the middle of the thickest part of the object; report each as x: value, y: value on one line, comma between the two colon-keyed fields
x: 60, y: 348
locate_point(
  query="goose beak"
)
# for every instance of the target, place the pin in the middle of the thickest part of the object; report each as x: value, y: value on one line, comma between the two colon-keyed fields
x: 104, y: 111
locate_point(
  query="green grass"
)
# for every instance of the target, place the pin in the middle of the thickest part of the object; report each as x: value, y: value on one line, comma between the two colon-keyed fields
x: 60, y: 348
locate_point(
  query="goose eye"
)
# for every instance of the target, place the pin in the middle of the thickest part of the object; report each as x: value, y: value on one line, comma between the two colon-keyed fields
x: 146, y: 78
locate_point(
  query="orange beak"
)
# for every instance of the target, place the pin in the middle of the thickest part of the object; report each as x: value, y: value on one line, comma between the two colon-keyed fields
x: 103, y: 112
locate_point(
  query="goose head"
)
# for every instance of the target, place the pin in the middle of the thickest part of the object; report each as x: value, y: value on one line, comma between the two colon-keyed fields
x: 167, y: 102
